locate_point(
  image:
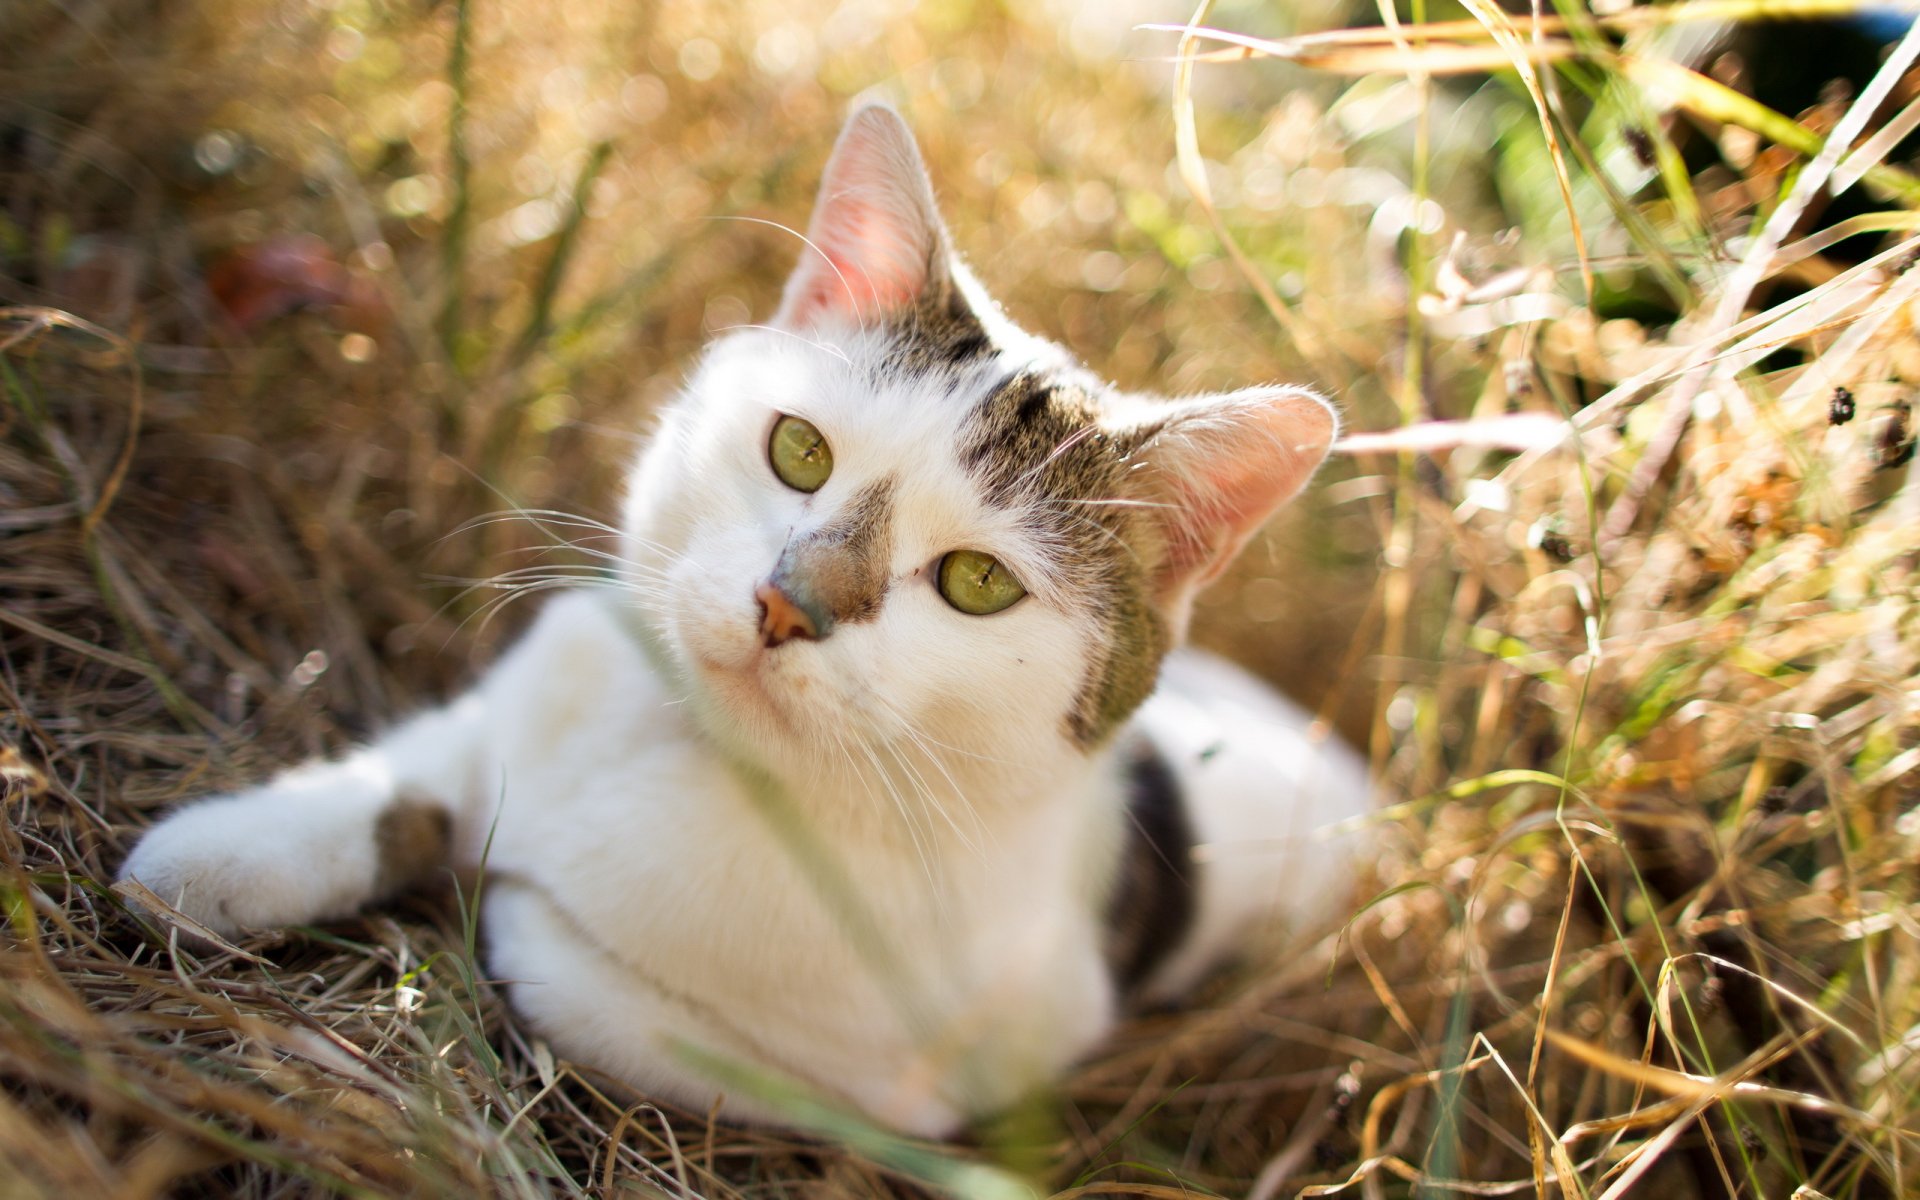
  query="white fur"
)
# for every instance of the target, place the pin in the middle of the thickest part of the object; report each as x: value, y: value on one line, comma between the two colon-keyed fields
x: 874, y: 863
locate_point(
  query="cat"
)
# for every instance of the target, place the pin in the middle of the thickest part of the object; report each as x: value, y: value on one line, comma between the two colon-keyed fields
x: 855, y: 774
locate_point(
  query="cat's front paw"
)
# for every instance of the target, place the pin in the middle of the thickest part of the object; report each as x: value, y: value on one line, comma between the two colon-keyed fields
x: 197, y: 862
x: 258, y: 861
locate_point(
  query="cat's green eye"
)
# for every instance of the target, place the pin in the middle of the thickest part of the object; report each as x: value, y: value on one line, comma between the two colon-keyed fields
x: 799, y: 454
x: 976, y: 583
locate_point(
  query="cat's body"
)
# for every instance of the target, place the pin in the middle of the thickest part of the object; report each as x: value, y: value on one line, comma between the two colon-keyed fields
x: 792, y: 794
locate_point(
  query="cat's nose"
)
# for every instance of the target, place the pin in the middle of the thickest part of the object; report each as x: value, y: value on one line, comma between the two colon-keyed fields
x: 781, y: 619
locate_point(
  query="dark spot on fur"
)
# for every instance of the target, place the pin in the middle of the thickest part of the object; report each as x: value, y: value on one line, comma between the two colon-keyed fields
x: 967, y: 347
x: 1153, y: 904
x: 1031, y: 406
x: 939, y: 332
x: 411, y: 838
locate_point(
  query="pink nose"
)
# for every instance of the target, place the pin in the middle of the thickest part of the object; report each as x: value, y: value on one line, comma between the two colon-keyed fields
x: 781, y: 620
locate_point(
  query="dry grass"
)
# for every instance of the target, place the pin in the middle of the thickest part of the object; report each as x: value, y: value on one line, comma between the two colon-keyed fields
x: 1644, y: 702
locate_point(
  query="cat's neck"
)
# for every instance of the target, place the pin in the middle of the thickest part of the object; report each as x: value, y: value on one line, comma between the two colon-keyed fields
x: 927, y: 793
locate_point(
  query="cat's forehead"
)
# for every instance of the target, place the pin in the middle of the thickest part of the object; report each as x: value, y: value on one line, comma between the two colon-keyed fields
x: 1025, y: 433
x: 1036, y: 431
x: 1022, y: 421
x: 995, y: 444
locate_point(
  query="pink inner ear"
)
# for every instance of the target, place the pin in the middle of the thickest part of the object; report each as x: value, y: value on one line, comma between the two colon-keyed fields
x: 1216, y: 515
x: 876, y: 240
x: 1245, y: 459
x: 863, y: 264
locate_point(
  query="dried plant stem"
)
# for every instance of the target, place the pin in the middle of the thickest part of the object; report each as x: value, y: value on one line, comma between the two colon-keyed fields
x: 453, y: 234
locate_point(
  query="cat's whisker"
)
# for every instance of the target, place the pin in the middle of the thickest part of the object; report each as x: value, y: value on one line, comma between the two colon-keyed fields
x: 924, y: 738
x: 579, y: 547
x: 586, y: 569
x: 546, y: 519
x: 471, y: 586
x: 1066, y: 443
x: 803, y: 339
x: 583, y: 576
x: 921, y: 830
x: 615, y: 432
x: 1117, y: 502
x: 928, y: 802
x: 667, y: 554
x: 646, y: 594
x: 1022, y: 481
x: 1090, y: 523
x: 618, y: 567
x: 879, y: 773
x: 621, y: 564
x: 853, y: 299
x: 536, y: 516
x: 649, y: 544
x: 492, y: 608
x: 924, y: 744
x: 931, y: 799
x: 614, y: 560
x: 912, y: 731
x: 903, y: 726
x: 581, y: 542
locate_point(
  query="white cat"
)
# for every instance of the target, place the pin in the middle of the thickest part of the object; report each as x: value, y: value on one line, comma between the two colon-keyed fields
x: 842, y: 778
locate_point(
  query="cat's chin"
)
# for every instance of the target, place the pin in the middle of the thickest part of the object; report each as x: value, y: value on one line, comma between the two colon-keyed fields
x: 747, y: 691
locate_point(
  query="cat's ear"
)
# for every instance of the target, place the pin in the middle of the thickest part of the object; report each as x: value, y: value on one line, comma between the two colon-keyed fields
x: 878, y: 245
x: 1212, y: 470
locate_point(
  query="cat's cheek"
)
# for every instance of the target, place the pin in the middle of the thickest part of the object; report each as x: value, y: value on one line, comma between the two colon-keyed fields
x: 983, y: 680
x: 1048, y: 665
x: 710, y: 638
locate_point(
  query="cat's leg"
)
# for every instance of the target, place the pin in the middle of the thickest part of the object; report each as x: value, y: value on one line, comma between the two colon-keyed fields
x: 1276, y: 810
x: 324, y: 839
x: 595, y: 1007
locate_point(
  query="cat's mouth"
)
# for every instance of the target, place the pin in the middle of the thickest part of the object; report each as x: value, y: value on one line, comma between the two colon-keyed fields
x: 724, y: 656
x: 751, y: 685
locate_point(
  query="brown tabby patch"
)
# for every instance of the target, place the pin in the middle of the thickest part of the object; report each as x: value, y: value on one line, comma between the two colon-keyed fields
x: 1035, y: 444
x: 411, y: 837
x: 940, y: 331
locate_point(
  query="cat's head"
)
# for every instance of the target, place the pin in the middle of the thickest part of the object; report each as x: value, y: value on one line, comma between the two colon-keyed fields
x: 891, y: 515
